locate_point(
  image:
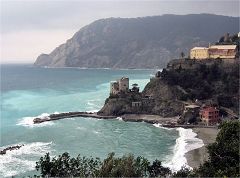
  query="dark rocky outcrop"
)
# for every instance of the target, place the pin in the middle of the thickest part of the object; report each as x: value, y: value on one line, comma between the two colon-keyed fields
x: 137, y: 42
x: 158, y: 98
x: 10, y: 148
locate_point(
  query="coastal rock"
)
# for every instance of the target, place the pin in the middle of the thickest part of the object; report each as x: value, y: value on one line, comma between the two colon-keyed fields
x: 10, y: 148
x: 163, y: 101
x: 43, y: 60
x: 116, y: 107
x: 146, y: 42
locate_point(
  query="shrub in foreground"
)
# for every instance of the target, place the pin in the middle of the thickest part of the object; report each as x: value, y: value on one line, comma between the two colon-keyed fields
x: 125, y: 166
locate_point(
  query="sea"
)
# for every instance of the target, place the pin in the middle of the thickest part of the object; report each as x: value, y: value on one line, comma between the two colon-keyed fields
x: 28, y: 91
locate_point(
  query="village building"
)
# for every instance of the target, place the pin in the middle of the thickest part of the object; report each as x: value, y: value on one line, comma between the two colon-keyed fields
x: 137, y: 104
x: 214, y: 52
x: 121, y: 85
x: 209, y: 115
x: 199, y: 53
x: 147, y: 101
x: 192, y: 108
x: 222, y: 51
x: 190, y: 114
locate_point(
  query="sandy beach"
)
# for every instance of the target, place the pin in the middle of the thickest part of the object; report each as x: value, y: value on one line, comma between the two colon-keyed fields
x: 198, y: 156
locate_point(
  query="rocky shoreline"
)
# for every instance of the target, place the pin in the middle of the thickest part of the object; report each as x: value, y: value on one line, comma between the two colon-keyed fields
x: 10, y: 148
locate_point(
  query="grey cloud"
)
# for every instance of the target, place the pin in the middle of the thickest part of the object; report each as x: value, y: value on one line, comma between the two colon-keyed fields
x: 27, y: 15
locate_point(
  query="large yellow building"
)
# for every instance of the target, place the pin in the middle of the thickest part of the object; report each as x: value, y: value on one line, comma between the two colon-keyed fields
x: 199, y: 53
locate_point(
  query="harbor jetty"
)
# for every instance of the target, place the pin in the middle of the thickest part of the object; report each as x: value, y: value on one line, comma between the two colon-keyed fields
x: 63, y: 115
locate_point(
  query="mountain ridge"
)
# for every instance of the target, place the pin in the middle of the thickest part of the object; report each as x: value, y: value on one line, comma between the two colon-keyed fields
x: 143, y: 42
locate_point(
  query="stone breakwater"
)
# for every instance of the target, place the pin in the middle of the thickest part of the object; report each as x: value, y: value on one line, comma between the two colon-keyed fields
x: 59, y: 116
x: 10, y: 148
x: 152, y: 119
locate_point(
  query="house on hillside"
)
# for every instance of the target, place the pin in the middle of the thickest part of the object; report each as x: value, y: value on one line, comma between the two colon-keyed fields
x: 209, y: 115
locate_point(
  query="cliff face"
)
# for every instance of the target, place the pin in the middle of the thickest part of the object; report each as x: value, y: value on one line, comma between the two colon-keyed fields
x: 137, y: 42
x: 209, y: 81
x: 157, y: 98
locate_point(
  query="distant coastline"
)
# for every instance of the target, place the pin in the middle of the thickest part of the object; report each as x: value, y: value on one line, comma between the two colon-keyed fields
x: 98, y: 68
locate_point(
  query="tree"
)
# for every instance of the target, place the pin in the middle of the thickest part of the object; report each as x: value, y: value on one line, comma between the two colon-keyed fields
x: 65, y: 166
x: 125, y: 166
x: 135, y: 87
x: 157, y: 170
x: 221, y: 40
x: 184, y: 172
x: 182, y: 54
x: 224, y: 153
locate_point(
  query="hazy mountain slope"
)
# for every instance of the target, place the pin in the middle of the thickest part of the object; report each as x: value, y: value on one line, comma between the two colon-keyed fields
x: 138, y: 42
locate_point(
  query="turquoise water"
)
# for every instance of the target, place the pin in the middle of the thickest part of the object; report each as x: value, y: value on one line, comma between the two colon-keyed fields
x: 28, y: 91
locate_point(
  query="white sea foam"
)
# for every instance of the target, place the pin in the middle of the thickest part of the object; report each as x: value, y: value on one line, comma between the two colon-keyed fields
x: 28, y: 121
x: 119, y: 118
x: 96, y: 132
x: 93, y: 104
x: 80, y: 128
x: 186, y: 142
x: 22, y: 160
x: 71, y: 118
x: 94, y: 110
x: 160, y: 126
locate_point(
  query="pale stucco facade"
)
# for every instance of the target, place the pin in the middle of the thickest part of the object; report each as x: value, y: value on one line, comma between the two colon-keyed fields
x: 199, y: 53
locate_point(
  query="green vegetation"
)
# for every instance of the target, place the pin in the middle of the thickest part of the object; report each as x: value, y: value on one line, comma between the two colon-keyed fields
x: 228, y: 39
x: 125, y: 166
x: 223, y: 161
x: 206, y: 82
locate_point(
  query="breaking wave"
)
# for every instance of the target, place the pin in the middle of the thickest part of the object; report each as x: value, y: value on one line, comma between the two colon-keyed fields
x: 23, y: 159
x: 186, y: 142
x: 119, y: 118
x: 28, y: 121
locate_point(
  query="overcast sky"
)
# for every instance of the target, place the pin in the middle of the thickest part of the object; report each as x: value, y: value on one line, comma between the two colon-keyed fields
x: 29, y: 28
